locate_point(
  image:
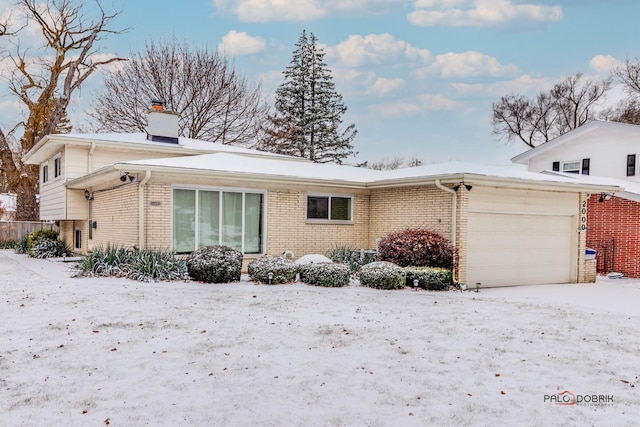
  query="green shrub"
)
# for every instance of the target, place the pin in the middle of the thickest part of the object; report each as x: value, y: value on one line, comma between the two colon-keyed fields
x: 351, y: 256
x: 49, y: 248
x: 215, y: 264
x: 8, y: 244
x: 284, y: 271
x: 141, y: 265
x: 417, y: 247
x: 21, y: 245
x: 430, y: 278
x: 325, y: 274
x: 155, y: 264
x: 382, y: 275
x: 35, y: 237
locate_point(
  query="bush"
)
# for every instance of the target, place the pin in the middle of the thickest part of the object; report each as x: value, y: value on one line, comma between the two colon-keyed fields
x: 155, y: 264
x: 430, y: 278
x: 215, y: 264
x: 142, y: 265
x: 35, y: 237
x: 325, y: 274
x: 49, y: 248
x: 383, y: 275
x: 351, y: 256
x: 8, y: 244
x: 21, y: 245
x: 284, y: 271
x: 417, y: 247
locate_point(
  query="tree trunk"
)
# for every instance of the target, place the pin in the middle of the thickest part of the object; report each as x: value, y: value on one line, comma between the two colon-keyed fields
x: 27, y: 208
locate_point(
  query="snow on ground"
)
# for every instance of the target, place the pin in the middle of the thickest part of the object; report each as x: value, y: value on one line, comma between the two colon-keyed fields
x: 89, y: 352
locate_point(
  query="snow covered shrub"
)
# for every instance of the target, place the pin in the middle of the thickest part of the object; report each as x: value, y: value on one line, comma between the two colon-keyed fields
x: 35, y: 237
x: 155, y: 264
x: 21, y: 246
x: 103, y: 262
x: 351, y: 256
x: 284, y: 271
x: 430, y: 278
x: 215, y: 264
x: 382, y: 275
x: 49, y: 248
x: 416, y: 247
x: 325, y: 274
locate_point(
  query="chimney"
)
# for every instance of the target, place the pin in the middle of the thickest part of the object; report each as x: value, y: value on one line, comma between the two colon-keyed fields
x: 163, y: 125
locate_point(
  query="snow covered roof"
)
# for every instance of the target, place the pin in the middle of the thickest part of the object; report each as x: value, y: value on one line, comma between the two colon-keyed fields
x: 254, y: 168
x: 614, y: 131
x: 627, y: 189
x: 50, y: 144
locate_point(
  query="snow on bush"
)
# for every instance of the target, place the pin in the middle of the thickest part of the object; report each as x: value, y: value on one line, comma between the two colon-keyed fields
x: 284, y: 270
x: 49, y: 248
x: 430, y: 278
x: 383, y: 275
x: 325, y: 274
x: 416, y: 247
x: 312, y: 259
x: 215, y: 264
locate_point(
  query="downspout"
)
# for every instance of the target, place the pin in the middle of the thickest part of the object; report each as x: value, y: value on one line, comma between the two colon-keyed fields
x: 141, y: 224
x: 90, y: 159
x: 454, y: 212
x: 454, y: 209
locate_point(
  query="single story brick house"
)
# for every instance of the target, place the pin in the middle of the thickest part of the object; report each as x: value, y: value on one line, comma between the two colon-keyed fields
x: 156, y: 190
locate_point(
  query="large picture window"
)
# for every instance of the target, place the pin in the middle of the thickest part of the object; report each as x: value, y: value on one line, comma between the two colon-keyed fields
x: 206, y: 217
x: 329, y: 208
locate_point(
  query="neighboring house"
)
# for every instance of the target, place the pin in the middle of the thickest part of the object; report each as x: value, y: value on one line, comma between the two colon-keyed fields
x: 601, y: 149
x: 7, y: 207
x: 509, y: 226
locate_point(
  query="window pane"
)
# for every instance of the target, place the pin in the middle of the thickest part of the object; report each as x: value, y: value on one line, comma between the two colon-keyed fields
x: 208, y: 218
x: 571, y: 167
x: 341, y: 208
x: 317, y: 207
x: 184, y: 213
x: 232, y: 220
x: 252, y: 223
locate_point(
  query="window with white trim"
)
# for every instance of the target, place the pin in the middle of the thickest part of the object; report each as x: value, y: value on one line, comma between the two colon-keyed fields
x: 57, y: 167
x: 218, y: 217
x: 324, y: 207
x: 45, y: 172
x: 571, y: 167
x: 78, y: 238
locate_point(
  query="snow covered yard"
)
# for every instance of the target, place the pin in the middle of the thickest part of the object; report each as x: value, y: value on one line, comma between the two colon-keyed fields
x: 89, y: 352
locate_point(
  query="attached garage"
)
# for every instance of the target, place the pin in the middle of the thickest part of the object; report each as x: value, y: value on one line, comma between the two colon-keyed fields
x: 521, y: 237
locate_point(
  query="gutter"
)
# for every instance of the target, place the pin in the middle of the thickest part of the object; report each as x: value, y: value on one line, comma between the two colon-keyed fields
x: 141, y: 227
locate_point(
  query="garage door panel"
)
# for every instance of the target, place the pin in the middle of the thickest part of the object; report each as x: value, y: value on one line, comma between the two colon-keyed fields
x: 516, y: 249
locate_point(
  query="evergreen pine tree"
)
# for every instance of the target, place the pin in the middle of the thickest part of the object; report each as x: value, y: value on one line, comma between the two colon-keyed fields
x: 309, y: 110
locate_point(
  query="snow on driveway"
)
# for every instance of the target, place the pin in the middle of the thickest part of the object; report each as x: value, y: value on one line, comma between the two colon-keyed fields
x: 90, y: 352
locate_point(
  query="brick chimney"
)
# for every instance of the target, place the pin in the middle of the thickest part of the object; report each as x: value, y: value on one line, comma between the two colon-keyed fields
x: 162, y: 125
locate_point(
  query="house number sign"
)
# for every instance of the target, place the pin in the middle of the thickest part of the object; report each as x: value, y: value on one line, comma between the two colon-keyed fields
x: 583, y: 216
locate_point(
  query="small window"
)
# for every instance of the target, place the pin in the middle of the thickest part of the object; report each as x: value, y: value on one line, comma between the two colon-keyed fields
x: 78, y: 239
x: 556, y: 166
x: 571, y: 167
x: 585, y: 166
x: 631, y: 165
x: 330, y: 208
x: 57, y: 167
x: 45, y: 173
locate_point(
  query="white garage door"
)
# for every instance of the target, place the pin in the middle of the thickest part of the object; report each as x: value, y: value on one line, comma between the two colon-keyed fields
x: 508, y: 249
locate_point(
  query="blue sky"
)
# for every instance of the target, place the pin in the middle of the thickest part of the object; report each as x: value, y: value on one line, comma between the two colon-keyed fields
x: 418, y: 77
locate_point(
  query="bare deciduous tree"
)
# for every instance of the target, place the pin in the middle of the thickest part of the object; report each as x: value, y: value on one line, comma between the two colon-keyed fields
x: 396, y: 162
x: 629, y: 75
x: 568, y: 105
x: 214, y: 101
x: 44, y: 83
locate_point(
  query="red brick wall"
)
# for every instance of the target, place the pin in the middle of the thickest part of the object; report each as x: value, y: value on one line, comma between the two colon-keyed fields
x: 614, y: 232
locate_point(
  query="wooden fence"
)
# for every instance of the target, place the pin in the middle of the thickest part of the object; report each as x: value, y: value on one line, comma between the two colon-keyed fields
x: 16, y: 230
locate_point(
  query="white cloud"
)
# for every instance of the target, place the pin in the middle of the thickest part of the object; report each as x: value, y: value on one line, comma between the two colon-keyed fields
x: 523, y: 84
x: 435, y: 102
x: 383, y: 86
x: 479, y: 13
x: 304, y: 10
x: 375, y: 49
x: 466, y: 64
x: 603, y: 64
x: 240, y: 43
x: 273, y: 10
